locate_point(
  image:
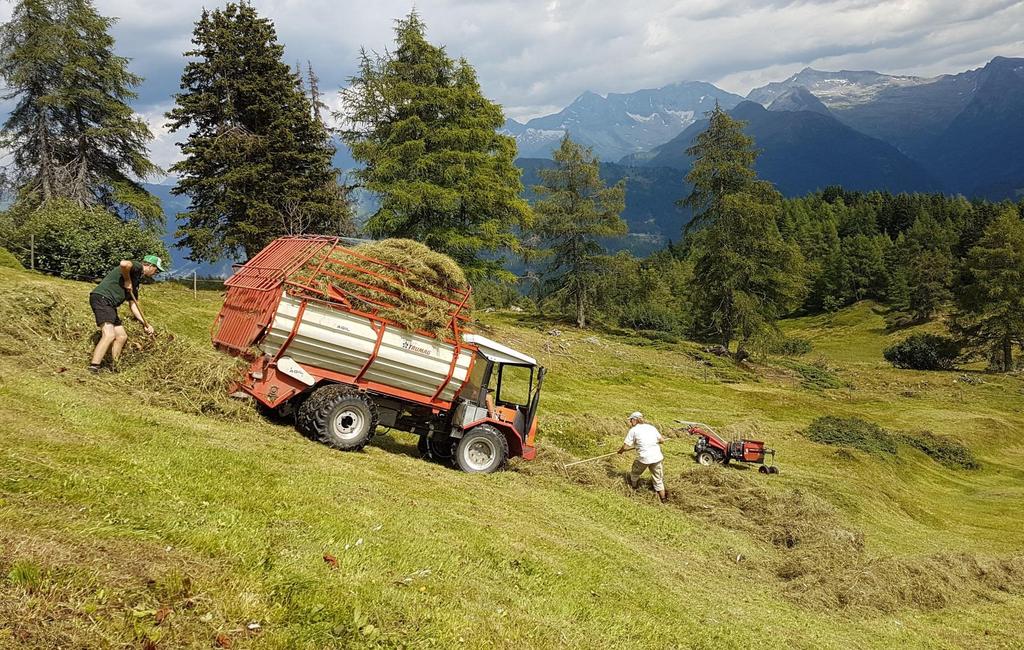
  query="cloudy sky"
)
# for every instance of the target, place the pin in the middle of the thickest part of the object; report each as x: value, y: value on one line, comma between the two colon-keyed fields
x: 536, y: 56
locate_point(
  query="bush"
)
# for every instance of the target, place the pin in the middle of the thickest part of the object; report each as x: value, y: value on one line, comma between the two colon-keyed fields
x: 924, y: 352
x: 9, y: 261
x: 85, y: 243
x: 851, y: 432
x: 790, y: 346
x: 945, y: 451
x: 650, y: 317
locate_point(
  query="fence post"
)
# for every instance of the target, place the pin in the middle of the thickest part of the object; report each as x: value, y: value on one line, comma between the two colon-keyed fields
x: 32, y: 252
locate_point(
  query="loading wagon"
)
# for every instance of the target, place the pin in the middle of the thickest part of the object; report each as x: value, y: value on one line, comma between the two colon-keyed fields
x: 324, y: 348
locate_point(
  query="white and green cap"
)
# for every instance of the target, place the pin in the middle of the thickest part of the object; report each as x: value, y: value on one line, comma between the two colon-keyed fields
x: 155, y: 261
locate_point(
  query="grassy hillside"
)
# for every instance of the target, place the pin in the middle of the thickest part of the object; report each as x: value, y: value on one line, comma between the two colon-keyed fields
x: 146, y: 509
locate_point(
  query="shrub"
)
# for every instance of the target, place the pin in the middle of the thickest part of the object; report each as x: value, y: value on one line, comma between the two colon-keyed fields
x: 851, y: 432
x: 9, y: 261
x: 76, y: 242
x: 924, y: 352
x: 650, y: 316
x: 945, y: 451
x: 790, y: 346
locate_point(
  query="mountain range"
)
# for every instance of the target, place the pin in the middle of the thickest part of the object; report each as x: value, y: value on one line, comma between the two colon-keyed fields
x: 957, y: 133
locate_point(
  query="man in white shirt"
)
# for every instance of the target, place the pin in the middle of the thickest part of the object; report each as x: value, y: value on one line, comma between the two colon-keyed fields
x: 647, y: 441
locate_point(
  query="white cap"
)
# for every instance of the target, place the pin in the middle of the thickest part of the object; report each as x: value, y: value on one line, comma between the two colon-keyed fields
x: 636, y: 415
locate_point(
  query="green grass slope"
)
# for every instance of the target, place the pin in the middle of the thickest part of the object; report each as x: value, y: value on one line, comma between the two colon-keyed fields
x: 145, y: 509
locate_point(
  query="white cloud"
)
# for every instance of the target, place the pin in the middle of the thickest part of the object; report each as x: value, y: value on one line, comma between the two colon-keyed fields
x: 535, y: 56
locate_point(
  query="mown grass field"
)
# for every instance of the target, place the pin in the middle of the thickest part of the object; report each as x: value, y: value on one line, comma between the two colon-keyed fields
x: 144, y: 510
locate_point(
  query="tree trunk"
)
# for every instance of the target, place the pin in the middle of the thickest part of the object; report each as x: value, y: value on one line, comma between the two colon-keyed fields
x: 581, y: 319
x: 1007, y: 354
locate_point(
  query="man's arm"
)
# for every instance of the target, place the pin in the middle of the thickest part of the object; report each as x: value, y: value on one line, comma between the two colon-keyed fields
x: 137, y: 313
x: 627, y: 444
x: 126, y: 274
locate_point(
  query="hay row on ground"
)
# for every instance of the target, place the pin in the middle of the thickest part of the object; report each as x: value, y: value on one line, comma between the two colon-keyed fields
x: 819, y: 561
x: 424, y: 275
x: 54, y: 331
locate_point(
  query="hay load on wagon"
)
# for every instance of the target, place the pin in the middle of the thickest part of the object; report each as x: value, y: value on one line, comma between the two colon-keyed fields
x: 399, y: 280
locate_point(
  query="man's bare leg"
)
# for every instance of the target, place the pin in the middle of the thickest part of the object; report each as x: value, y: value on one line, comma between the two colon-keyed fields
x: 120, y: 338
x: 107, y: 336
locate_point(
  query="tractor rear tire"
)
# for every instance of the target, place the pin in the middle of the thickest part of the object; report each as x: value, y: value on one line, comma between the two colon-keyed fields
x: 338, y: 416
x: 482, y: 450
x: 706, y: 458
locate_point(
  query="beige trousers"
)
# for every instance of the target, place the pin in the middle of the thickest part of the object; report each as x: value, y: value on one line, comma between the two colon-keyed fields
x: 657, y: 473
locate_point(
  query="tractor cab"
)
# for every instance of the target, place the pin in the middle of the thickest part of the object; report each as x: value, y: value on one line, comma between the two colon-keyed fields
x: 510, y: 379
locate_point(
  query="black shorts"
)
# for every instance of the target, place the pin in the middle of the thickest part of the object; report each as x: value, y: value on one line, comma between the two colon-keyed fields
x: 104, y: 311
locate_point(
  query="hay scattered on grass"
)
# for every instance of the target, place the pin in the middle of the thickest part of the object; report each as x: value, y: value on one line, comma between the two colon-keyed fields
x: 56, y: 332
x: 819, y: 560
x: 426, y: 275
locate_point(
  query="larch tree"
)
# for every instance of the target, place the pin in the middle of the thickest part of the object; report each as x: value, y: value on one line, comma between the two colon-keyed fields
x: 429, y: 144
x: 990, y: 295
x: 257, y: 162
x: 72, y: 133
x: 745, y: 275
x: 723, y: 164
x: 574, y: 209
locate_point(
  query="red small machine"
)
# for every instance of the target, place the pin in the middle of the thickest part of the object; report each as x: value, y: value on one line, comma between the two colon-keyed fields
x: 712, y: 448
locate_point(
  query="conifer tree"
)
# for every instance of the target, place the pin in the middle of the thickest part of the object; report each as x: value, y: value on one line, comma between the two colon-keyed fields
x: 573, y: 209
x: 723, y: 164
x: 257, y: 163
x: 428, y: 141
x: 745, y: 276
x: 72, y: 133
x: 927, y: 261
x: 990, y: 295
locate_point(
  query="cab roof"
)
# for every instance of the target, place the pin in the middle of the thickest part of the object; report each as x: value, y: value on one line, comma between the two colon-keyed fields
x: 498, y: 353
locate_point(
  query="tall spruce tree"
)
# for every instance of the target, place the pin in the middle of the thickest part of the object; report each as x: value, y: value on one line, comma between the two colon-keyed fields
x: 990, y: 296
x: 257, y: 162
x: 428, y: 141
x: 574, y: 209
x: 745, y: 276
x: 71, y: 132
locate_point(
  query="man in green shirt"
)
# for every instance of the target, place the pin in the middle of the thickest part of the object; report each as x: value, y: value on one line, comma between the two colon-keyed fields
x: 119, y: 285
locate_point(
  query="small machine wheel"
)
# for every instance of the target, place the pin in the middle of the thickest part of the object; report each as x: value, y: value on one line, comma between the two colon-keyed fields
x: 706, y: 458
x: 482, y: 450
x: 338, y: 416
x: 773, y: 470
x: 764, y: 469
x: 441, y: 450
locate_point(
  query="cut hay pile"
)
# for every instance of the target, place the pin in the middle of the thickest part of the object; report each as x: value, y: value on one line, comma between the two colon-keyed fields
x: 404, y: 275
x: 49, y: 328
x: 818, y: 560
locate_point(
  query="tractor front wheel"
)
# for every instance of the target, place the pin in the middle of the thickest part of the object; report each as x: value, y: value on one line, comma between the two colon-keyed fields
x: 482, y: 450
x: 706, y: 458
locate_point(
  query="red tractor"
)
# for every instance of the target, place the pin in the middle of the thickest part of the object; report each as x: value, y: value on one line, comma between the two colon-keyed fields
x: 712, y: 448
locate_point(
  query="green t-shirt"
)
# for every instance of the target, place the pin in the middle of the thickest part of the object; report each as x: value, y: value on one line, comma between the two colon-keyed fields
x: 110, y: 286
